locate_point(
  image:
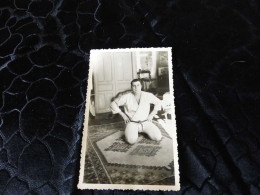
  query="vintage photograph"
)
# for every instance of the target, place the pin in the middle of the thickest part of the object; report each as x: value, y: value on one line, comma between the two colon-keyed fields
x: 129, y: 138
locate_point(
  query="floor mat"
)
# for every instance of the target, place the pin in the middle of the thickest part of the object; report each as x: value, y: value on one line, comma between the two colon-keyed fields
x: 109, y: 159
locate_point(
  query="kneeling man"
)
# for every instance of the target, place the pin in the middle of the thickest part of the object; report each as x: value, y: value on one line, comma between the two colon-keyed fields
x: 137, y: 114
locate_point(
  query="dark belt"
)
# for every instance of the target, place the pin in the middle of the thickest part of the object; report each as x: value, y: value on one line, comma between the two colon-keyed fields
x: 140, y: 122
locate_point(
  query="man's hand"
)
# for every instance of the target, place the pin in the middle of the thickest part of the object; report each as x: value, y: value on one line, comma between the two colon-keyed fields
x: 126, y: 119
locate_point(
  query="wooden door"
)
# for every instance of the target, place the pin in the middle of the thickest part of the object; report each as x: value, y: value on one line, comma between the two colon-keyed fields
x: 113, y: 74
x: 104, y: 82
x: 123, y: 71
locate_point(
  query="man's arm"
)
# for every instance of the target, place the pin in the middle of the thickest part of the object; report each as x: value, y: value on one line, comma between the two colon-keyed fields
x: 151, y: 115
x: 116, y: 110
x: 157, y: 106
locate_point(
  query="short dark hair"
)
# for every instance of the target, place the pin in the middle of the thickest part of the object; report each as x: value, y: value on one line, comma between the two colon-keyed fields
x: 135, y: 80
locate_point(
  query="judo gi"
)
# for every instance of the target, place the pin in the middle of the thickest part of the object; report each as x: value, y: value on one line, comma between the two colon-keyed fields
x: 138, y: 114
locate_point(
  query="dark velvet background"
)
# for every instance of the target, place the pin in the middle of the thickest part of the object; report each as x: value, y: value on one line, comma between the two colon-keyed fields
x: 44, y: 50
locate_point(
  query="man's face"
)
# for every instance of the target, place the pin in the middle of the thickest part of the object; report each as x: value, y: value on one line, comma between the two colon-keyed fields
x: 136, y: 87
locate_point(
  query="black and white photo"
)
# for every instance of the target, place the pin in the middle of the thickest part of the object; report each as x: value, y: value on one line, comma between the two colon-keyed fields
x: 129, y: 139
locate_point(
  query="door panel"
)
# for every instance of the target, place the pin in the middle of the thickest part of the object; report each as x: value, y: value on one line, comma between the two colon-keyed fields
x: 123, y: 71
x: 104, y: 100
x: 108, y: 68
x: 104, y: 83
x: 105, y: 87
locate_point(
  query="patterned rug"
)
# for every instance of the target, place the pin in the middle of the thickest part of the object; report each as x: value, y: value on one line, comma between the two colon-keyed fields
x: 109, y: 159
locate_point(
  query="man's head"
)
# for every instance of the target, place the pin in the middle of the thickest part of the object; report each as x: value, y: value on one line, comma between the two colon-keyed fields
x: 136, y: 86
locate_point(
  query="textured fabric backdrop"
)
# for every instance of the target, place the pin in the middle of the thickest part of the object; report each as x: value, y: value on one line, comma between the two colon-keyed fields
x: 44, y: 50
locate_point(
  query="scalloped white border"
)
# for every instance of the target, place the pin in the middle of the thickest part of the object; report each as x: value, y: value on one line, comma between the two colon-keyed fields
x: 81, y: 184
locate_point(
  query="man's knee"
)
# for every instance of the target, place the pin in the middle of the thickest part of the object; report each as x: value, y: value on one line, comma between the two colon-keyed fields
x: 153, y: 132
x: 157, y: 137
x: 131, y: 140
x: 131, y: 133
